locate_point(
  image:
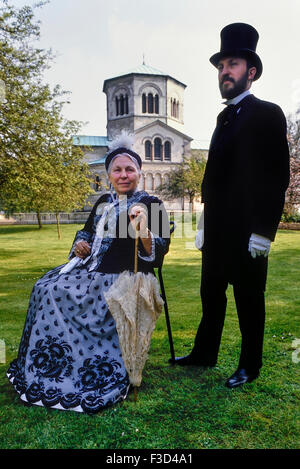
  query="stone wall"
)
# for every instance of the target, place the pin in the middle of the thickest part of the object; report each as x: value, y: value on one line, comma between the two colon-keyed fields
x: 49, y: 218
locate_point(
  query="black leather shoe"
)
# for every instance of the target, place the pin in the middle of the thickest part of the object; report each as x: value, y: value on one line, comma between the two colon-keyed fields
x: 240, y: 377
x: 189, y: 360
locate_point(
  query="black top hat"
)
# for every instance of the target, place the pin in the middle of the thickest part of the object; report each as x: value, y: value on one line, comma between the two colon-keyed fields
x: 239, y: 40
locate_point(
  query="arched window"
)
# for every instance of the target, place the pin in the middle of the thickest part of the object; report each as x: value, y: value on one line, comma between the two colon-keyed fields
x: 97, y: 183
x: 157, y: 149
x: 144, y: 105
x: 121, y: 105
x: 150, y: 103
x: 174, y: 108
x: 149, y: 182
x: 141, y: 185
x: 157, y: 181
x: 148, y: 150
x: 156, y: 104
x: 167, y: 151
x: 166, y: 178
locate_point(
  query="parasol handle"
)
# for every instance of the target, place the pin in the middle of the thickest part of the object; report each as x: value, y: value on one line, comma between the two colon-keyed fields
x: 135, y: 271
x: 137, y: 229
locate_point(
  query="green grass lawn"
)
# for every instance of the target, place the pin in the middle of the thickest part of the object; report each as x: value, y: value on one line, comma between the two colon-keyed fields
x: 176, y: 408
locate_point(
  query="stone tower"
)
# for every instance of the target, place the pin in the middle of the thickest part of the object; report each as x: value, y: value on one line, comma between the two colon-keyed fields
x: 149, y: 104
x: 140, y: 97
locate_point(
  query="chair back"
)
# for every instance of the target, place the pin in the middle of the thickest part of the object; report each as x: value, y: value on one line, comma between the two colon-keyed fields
x: 163, y: 294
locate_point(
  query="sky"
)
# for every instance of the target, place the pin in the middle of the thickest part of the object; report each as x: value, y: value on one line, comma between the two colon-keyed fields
x: 98, y: 39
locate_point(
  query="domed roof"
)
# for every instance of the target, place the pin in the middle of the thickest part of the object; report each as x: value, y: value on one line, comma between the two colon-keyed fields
x: 143, y: 70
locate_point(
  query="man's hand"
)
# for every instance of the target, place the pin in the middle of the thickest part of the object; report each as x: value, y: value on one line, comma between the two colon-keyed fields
x: 199, y: 239
x: 259, y: 245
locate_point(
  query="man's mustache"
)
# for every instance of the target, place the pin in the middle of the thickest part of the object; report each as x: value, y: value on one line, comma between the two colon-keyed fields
x: 227, y: 78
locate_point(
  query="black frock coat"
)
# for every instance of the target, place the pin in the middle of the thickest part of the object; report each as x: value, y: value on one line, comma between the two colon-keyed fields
x: 243, y: 189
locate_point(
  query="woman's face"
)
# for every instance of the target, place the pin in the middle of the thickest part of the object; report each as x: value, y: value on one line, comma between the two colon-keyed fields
x: 124, y: 175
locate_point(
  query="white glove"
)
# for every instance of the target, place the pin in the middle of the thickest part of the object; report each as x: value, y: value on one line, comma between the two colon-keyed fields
x: 259, y: 245
x: 199, y: 239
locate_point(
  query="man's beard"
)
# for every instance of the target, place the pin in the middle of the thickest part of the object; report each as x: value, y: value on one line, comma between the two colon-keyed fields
x: 238, y: 88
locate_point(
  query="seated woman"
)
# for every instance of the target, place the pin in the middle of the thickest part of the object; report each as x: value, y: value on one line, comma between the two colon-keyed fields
x: 69, y: 356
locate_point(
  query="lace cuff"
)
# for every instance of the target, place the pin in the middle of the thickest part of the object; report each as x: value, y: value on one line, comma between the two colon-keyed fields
x: 151, y: 257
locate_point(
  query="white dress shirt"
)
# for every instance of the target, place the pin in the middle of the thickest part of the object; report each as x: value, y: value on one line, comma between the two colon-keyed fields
x: 237, y: 99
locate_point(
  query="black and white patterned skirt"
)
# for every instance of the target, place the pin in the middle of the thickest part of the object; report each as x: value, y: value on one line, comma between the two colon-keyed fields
x: 69, y: 356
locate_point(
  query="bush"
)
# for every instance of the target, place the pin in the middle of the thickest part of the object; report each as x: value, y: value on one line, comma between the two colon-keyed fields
x: 290, y: 218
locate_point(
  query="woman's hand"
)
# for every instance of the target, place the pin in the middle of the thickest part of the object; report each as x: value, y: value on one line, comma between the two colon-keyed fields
x: 82, y: 249
x: 139, y: 220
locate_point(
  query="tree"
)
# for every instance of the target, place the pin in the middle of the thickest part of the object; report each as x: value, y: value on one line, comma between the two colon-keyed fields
x: 185, y: 180
x: 39, y: 166
x: 21, y: 68
x: 292, y: 199
x: 59, y: 181
x: 72, y: 182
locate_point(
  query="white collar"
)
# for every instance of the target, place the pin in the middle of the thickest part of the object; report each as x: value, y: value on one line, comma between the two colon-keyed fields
x: 237, y: 99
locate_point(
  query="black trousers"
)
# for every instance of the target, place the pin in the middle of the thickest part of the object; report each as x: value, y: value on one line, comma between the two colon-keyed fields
x: 249, y: 297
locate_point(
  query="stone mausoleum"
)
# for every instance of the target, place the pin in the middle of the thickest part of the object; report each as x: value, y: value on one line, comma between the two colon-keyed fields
x: 149, y: 104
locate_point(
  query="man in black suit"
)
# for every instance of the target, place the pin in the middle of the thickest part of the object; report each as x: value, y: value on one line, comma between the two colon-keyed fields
x: 243, y: 192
